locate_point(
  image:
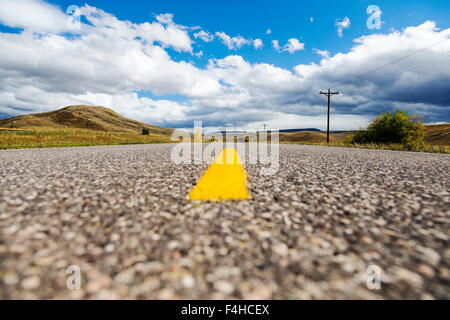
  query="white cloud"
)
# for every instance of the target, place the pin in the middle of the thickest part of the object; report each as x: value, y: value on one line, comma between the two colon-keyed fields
x: 341, y: 25
x: 311, y: 19
x: 276, y: 44
x: 165, y: 18
x: 292, y: 46
x: 323, y: 53
x: 258, y: 44
x: 199, y: 54
x: 233, y: 43
x: 205, y: 36
x: 269, y: 31
x: 32, y: 14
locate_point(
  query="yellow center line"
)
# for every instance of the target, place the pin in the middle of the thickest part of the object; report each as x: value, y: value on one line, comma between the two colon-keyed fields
x: 225, y: 179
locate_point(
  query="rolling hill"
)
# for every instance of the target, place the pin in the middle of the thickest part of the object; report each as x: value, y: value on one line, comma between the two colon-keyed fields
x: 82, y: 117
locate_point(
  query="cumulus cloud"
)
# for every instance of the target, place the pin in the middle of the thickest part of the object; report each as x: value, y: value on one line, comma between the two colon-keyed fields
x: 165, y: 18
x: 341, y: 25
x: 233, y: 43
x: 114, y: 62
x: 258, y: 44
x: 269, y: 31
x: 276, y: 44
x: 205, y: 36
x: 292, y: 46
x: 32, y: 14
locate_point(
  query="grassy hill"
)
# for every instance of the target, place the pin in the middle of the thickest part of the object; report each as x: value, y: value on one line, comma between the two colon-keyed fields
x: 76, y: 126
x: 82, y: 117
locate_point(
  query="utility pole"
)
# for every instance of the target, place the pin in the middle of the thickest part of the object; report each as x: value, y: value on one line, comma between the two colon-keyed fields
x: 328, y: 94
x: 265, y: 126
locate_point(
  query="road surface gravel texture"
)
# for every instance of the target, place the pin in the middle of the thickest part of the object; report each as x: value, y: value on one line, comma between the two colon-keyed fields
x: 120, y: 213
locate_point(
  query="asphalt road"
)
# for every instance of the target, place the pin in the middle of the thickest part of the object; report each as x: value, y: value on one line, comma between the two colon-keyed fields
x: 311, y: 231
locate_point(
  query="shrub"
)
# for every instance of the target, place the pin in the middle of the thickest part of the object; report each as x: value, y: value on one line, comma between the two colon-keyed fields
x: 393, y: 128
x: 145, y: 132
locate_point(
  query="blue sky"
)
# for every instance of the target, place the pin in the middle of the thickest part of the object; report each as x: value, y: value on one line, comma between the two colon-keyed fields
x: 286, y: 19
x: 239, y: 76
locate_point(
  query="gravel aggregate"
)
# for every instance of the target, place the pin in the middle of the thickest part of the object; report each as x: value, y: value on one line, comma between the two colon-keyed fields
x: 309, y: 232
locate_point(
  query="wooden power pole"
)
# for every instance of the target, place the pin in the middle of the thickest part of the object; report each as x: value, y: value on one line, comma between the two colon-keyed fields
x: 328, y: 94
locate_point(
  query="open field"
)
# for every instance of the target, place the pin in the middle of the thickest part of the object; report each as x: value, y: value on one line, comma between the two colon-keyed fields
x: 50, y: 137
x: 437, y: 140
x: 90, y: 126
x: 438, y: 134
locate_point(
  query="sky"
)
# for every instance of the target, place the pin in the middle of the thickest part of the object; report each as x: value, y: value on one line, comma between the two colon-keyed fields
x: 237, y: 64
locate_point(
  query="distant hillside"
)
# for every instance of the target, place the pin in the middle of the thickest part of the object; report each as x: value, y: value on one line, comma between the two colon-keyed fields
x: 299, y: 130
x: 82, y: 117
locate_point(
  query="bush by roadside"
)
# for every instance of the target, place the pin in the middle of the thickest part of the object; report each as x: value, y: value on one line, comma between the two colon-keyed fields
x: 393, y: 128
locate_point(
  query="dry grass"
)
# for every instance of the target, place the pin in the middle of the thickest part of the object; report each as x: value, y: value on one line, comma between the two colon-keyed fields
x: 390, y: 146
x: 438, y: 134
x: 88, y: 126
x: 304, y: 136
x: 50, y: 137
x: 437, y: 140
x: 76, y: 126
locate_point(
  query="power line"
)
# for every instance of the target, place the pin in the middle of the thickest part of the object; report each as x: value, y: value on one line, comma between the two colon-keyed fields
x: 402, y: 58
x: 364, y: 74
x: 442, y: 55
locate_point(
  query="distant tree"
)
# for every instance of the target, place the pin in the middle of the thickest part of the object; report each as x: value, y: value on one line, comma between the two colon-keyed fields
x: 393, y: 128
x: 145, y: 132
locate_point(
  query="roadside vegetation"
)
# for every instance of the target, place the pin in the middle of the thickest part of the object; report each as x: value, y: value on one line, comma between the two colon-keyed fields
x: 383, y: 146
x: 389, y: 131
x: 395, y: 131
x: 398, y: 128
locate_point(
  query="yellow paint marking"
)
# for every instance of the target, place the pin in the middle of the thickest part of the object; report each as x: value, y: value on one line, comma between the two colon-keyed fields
x: 225, y: 179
